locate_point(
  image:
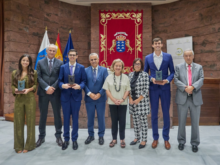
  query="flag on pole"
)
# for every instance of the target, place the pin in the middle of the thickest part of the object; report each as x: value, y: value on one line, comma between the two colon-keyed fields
x: 69, y: 46
x: 59, y: 51
x: 42, y: 52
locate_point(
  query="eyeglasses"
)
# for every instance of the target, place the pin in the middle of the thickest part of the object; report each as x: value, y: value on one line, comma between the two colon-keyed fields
x: 93, y: 59
x: 72, y: 55
x: 189, y: 56
x: 137, y: 64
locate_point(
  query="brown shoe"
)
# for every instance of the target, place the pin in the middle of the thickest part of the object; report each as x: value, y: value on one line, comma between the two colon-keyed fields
x: 154, y: 144
x: 167, y: 145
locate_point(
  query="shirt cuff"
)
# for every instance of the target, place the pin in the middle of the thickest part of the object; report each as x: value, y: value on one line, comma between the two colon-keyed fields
x: 168, y: 81
x: 151, y: 79
x: 88, y: 93
x: 47, y: 88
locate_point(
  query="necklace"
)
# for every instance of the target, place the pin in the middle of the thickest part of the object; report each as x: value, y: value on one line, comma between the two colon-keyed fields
x: 116, y: 83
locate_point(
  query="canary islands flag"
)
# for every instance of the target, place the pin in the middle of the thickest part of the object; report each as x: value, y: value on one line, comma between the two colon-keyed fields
x: 42, y: 52
x: 59, y: 51
x: 69, y: 46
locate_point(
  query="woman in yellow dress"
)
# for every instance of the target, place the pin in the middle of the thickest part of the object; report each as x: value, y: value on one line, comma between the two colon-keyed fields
x: 25, y: 104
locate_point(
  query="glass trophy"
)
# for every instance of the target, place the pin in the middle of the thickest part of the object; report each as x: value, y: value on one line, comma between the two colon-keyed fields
x: 159, y: 78
x: 21, y: 87
x: 71, y: 80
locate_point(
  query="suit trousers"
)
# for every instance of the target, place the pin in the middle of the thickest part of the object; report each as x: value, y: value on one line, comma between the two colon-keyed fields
x: 164, y: 96
x: 56, y: 105
x: 100, y: 109
x: 71, y: 107
x: 118, y: 115
x: 182, y: 116
x: 140, y: 125
x: 25, y: 106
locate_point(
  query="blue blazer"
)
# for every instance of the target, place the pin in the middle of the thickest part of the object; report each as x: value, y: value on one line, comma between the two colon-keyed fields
x: 95, y: 87
x: 166, y: 64
x: 80, y: 79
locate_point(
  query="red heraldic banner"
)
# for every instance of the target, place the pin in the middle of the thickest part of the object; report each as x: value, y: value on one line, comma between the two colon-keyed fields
x: 120, y: 36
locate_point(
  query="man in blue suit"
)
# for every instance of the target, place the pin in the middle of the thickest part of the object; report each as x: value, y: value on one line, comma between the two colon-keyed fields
x: 95, y: 97
x: 160, y: 61
x: 71, y: 96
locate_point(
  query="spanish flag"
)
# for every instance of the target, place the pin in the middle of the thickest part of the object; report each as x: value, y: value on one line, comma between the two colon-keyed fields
x: 59, y: 51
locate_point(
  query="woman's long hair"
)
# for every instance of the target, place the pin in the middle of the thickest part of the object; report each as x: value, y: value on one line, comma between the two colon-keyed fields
x: 30, y: 71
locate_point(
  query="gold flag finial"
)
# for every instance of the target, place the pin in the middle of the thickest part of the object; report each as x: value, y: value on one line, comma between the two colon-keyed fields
x: 70, y: 31
x: 46, y: 28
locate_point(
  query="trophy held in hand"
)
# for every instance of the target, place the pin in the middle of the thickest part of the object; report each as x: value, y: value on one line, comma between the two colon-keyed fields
x: 21, y: 87
x: 159, y: 78
x: 71, y: 80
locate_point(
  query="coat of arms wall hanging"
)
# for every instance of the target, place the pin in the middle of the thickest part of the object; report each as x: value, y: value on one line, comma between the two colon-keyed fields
x: 120, y: 36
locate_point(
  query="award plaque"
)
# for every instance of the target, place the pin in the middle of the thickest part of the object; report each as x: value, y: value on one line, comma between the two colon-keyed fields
x: 159, y: 78
x: 71, y: 80
x: 21, y: 87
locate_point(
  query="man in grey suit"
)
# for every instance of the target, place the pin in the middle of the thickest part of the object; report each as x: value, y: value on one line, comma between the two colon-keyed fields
x: 189, y: 80
x: 48, y: 91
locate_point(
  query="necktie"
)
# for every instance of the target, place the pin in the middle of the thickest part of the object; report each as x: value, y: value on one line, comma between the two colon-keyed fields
x: 189, y: 75
x: 94, y: 75
x: 71, y: 69
x: 50, y: 65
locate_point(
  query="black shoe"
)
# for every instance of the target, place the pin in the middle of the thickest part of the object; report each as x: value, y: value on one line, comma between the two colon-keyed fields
x: 101, y: 140
x: 89, y: 139
x: 65, y: 145
x: 75, y: 145
x: 40, y: 141
x: 59, y: 141
x: 133, y: 142
x: 141, y: 146
x: 181, y: 147
x: 194, y: 148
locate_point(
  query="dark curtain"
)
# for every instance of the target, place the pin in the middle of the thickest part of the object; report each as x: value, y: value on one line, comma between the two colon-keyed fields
x: 1, y: 57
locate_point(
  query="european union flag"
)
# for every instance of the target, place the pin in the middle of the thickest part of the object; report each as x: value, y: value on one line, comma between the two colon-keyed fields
x: 69, y: 46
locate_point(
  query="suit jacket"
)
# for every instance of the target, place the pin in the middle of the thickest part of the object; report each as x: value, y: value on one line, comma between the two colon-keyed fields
x: 80, y: 79
x: 181, y: 80
x: 45, y: 78
x: 166, y: 64
x: 141, y: 88
x: 95, y: 87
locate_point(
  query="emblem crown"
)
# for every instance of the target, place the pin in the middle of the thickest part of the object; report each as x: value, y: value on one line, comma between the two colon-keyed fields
x: 120, y: 38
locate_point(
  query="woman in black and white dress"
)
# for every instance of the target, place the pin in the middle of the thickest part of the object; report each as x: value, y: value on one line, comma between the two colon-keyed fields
x: 139, y: 102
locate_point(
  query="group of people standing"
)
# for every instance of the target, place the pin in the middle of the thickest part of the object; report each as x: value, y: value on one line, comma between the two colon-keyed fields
x: 142, y: 89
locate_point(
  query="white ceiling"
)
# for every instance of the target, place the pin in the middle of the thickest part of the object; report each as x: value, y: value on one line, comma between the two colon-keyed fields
x: 89, y: 2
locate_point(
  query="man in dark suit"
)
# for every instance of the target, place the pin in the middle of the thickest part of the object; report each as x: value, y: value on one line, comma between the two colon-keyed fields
x: 71, y: 96
x: 48, y: 71
x: 160, y: 61
x: 95, y: 97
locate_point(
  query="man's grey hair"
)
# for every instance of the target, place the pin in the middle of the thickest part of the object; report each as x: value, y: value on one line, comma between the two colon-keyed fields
x: 188, y: 50
x: 93, y: 54
x: 52, y: 45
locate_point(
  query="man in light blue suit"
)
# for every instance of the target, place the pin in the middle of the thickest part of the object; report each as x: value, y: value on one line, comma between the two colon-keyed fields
x: 95, y: 97
x: 160, y: 61
x: 71, y: 96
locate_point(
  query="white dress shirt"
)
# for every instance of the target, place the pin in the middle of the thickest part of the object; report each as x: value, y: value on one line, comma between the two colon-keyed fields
x: 96, y: 76
x: 158, y: 60
x: 48, y: 60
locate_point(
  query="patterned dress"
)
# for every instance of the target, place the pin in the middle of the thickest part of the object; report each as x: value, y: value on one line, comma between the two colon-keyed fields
x: 24, y: 108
